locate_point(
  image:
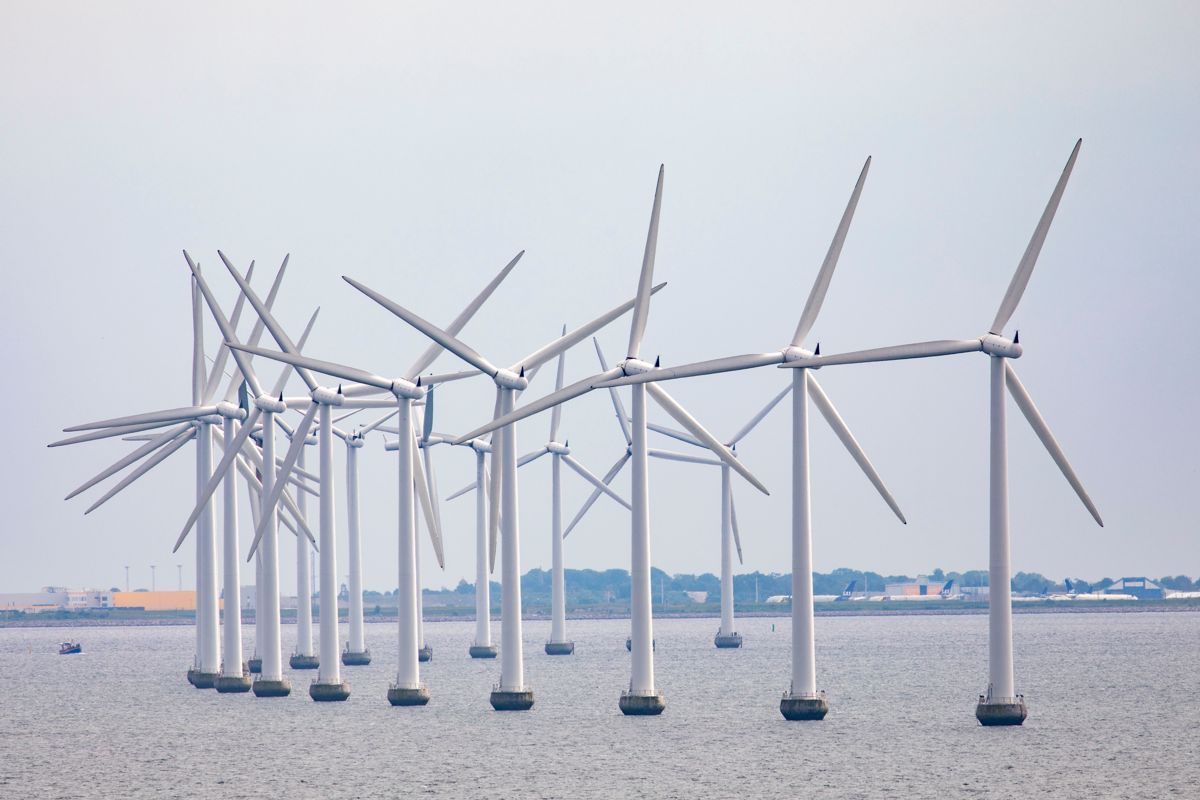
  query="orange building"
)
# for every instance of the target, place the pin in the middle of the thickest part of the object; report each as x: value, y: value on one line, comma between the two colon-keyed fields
x: 155, y: 601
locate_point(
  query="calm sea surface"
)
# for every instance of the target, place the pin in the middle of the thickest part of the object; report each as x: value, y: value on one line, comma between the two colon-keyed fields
x: 1114, y: 705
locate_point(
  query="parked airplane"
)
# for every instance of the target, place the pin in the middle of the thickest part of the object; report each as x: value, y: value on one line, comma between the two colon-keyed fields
x: 847, y: 594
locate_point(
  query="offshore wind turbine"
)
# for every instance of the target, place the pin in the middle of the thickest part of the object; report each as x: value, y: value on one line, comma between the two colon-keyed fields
x: 511, y: 693
x: 643, y: 696
x: 408, y: 689
x: 1001, y: 704
x: 802, y: 701
x: 560, y: 453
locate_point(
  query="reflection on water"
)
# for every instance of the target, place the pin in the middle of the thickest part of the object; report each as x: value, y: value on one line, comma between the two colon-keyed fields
x: 1111, y: 699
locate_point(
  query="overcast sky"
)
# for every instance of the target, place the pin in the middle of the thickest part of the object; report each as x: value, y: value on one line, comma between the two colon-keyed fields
x: 417, y: 148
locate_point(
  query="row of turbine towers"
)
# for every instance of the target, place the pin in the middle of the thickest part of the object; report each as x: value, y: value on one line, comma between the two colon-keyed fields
x: 249, y: 416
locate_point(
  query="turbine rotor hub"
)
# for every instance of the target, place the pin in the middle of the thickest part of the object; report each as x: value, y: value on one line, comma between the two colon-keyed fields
x: 995, y: 345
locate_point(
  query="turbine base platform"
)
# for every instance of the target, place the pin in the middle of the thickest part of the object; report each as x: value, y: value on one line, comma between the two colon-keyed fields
x: 202, y: 680
x: 298, y: 661
x: 512, y: 699
x: 425, y: 654
x: 264, y: 687
x: 232, y: 684
x: 560, y: 648
x: 726, y: 641
x: 356, y: 659
x: 484, y: 651
x: 1001, y: 711
x: 642, y: 704
x: 399, y: 696
x: 255, y: 666
x: 804, y: 706
x: 329, y: 692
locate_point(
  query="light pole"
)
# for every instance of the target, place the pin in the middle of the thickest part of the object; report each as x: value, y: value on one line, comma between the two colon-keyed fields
x: 180, y: 568
x: 126, y: 577
x: 152, y: 586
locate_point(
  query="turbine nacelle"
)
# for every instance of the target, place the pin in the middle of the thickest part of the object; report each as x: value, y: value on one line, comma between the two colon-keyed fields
x: 557, y: 449
x: 792, y: 353
x: 507, y: 379
x: 407, y: 390
x: 230, y: 411
x: 327, y: 397
x: 995, y: 345
x: 270, y: 405
x: 635, y: 366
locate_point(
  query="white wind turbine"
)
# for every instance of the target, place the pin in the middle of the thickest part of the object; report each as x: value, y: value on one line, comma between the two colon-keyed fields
x: 802, y: 700
x: 408, y: 688
x: 560, y: 453
x: 511, y: 694
x: 1001, y: 705
x: 187, y: 423
x: 643, y: 697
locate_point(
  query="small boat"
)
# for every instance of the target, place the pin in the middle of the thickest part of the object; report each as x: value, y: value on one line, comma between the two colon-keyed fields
x: 67, y: 648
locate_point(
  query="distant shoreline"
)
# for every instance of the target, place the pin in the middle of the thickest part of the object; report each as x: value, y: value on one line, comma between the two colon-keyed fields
x: 91, y: 619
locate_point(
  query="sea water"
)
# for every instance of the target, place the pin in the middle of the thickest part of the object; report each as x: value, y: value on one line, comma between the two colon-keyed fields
x: 1114, y: 711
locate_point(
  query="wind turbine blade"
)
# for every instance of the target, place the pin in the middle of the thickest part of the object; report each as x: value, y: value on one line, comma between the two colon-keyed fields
x: 594, y: 481
x: 227, y: 332
x: 323, y: 367
x: 1020, y: 278
x: 377, y: 423
x: 536, y: 359
x: 1038, y: 423
x: 641, y: 310
x: 289, y: 504
x: 712, y: 367
x: 760, y: 416
x: 737, y: 538
x: 346, y: 416
x: 674, y: 434
x: 817, y: 295
x: 281, y: 383
x: 671, y: 455
x: 277, y: 333
x: 137, y: 455
x: 426, y: 503
x: 281, y: 476
x: 443, y: 338
x: 427, y: 416
x: 532, y: 456
x: 529, y: 409
x: 166, y: 416
x: 556, y: 414
x: 198, y: 366
x: 218, y: 474
x: 470, y: 487
x: 821, y: 400
x: 145, y: 467
x: 218, y: 368
x: 256, y: 331
x: 435, y: 349
x: 618, y: 407
x: 941, y: 347
x: 431, y: 480
x: 595, y: 495
x: 690, y: 424
x: 108, y: 433
x: 446, y: 377
x: 493, y: 499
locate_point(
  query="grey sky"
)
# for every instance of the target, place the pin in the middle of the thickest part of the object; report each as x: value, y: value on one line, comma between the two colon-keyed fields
x: 418, y: 148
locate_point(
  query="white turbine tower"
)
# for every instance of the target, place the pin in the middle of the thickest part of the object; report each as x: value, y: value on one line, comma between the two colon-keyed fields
x: 802, y: 700
x: 560, y: 453
x: 1000, y: 705
x: 643, y: 696
x: 511, y: 694
x: 408, y: 688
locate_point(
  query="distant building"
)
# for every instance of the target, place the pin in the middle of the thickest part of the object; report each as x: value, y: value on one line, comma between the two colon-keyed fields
x: 1141, y: 588
x: 779, y: 599
x: 697, y: 597
x: 55, y: 598
x: 921, y: 587
x: 156, y: 601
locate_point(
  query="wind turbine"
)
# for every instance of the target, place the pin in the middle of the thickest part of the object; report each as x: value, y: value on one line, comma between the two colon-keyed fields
x: 560, y: 454
x: 186, y: 424
x: 357, y: 653
x: 303, y: 656
x: 1000, y: 705
x: 408, y: 689
x: 802, y: 701
x: 511, y: 694
x: 643, y: 697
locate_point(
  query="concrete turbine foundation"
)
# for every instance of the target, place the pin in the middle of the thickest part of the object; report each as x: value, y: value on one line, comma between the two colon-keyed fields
x: 484, y: 651
x: 399, y: 696
x: 1001, y: 711
x: 202, y: 680
x: 425, y: 653
x: 804, y: 706
x: 356, y: 659
x: 233, y: 684
x: 298, y: 661
x: 255, y: 665
x: 725, y: 641
x: 265, y: 687
x: 642, y: 704
x: 512, y: 699
x: 329, y: 692
x: 560, y: 648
